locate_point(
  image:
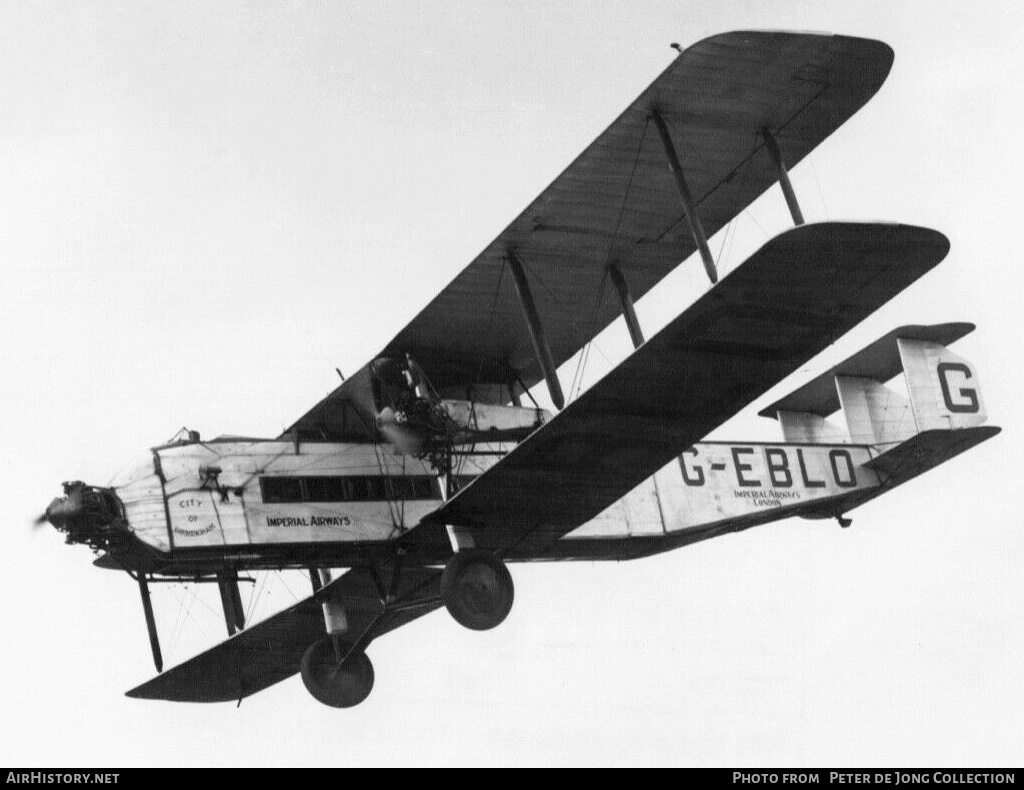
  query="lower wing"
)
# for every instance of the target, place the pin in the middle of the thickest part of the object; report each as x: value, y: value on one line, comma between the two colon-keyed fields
x: 791, y: 299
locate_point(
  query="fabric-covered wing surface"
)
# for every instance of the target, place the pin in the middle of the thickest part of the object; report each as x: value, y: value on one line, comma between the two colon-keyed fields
x: 791, y: 299
x: 715, y: 97
x: 270, y: 651
x: 617, y: 202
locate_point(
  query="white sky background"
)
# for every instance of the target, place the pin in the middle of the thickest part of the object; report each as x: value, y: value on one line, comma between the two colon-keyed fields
x: 205, y: 208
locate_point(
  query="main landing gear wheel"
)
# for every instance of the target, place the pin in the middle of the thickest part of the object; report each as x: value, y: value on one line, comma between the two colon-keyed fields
x: 340, y: 685
x: 477, y: 590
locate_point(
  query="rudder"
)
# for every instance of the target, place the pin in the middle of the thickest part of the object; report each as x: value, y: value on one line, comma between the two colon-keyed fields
x: 944, y: 389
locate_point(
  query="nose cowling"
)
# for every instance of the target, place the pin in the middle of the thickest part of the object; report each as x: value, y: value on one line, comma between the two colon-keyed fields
x: 88, y: 514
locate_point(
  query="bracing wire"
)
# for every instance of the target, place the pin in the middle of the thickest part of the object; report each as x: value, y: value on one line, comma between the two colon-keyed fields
x: 821, y: 192
x: 255, y: 597
x: 581, y: 366
x: 490, y: 320
x: 280, y: 577
x: 730, y: 229
x: 178, y: 620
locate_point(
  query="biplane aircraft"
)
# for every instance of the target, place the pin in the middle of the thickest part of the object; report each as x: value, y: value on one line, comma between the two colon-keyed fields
x: 415, y: 483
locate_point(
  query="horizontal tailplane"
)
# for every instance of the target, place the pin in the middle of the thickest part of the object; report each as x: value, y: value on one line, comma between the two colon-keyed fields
x: 941, y: 415
x: 943, y: 392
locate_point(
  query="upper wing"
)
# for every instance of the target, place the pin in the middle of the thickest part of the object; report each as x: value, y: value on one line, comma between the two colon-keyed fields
x: 792, y: 298
x: 271, y: 650
x: 618, y: 202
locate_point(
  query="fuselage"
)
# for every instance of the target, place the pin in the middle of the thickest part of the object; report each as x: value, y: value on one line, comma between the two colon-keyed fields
x: 195, y: 507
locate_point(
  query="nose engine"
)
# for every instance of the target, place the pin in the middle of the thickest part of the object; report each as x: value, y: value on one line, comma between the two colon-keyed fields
x: 88, y: 514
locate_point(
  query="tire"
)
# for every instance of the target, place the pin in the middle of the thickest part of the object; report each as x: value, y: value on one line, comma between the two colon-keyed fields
x: 339, y: 686
x: 477, y: 589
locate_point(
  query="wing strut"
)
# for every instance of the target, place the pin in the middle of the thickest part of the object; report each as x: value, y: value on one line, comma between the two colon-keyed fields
x: 540, y: 343
x: 787, y: 188
x: 696, y: 228
x: 636, y: 334
x: 231, y: 600
x: 147, y: 608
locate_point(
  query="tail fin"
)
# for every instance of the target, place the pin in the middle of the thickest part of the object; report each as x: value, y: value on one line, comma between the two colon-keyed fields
x: 905, y: 437
x: 944, y: 389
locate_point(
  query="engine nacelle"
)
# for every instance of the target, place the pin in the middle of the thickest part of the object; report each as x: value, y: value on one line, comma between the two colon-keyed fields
x: 88, y: 514
x: 416, y: 421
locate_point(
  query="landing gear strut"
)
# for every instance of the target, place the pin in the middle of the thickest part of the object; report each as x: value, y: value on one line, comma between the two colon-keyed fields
x: 334, y: 678
x: 335, y: 670
x: 477, y: 589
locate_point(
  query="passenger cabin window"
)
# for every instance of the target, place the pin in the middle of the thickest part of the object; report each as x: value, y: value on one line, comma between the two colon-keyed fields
x: 350, y: 488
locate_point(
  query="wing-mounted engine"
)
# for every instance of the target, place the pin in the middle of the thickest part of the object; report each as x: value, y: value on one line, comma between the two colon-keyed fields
x: 391, y: 399
x: 411, y: 416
